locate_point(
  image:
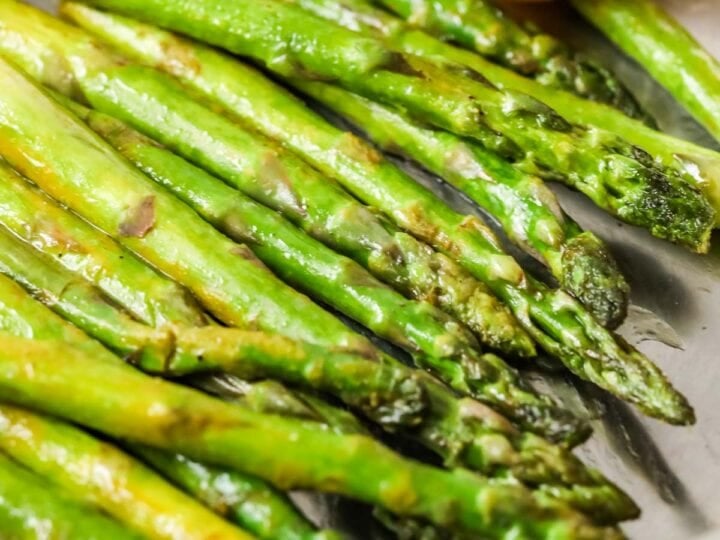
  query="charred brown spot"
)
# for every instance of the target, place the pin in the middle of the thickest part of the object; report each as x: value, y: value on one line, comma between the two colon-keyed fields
x: 399, y: 63
x: 276, y: 183
x: 241, y: 250
x: 358, y: 149
x: 141, y: 219
x: 178, y: 58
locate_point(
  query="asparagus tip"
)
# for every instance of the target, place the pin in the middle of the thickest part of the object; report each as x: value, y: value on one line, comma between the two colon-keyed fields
x: 591, y: 275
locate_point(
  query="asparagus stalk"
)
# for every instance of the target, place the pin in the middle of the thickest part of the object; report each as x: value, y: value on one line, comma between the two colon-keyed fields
x: 164, y: 415
x: 698, y: 165
x: 439, y: 345
x: 617, y: 176
x: 480, y: 26
x: 463, y: 431
x: 387, y: 394
x: 645, y: 31
x: 146, y: 219
x: 238, y: 87
x: 239, y: 498
x: 526, y: 208
x: 31, y: 509
x: 279, y: 519
x: 100, y: 474
x: 625, y: 160
x: 553, y: 318
x: 338, y: 220
x: 79, y: 302
x: 460, y: 431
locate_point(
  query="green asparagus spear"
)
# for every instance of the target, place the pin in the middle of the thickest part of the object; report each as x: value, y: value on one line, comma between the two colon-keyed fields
x: 102, y: 475
x: 387, y: 394
x: 615, y: 175
x: 232, y: 83
x: 239, y: 498
x: 556, y: 321
x: 698, y: 165
x: 645, y: 31
x: 480, y: 26
x: 525, y: 207
x: 120, y: 200
x: 16, y: 311
x: 79, y: 302
x: 339, y: 221
x: 458, y: 431
x: 563, y: 141
x: 31, y: 509
x: 438, y: 345
x: 164, y: 415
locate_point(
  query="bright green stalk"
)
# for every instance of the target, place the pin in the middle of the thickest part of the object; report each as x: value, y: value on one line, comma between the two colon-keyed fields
x: 462, y: 431
x: 388, y: 394
x: 91, y: 255
x: 74, y: 386
x: 79, y: 302
x: 90, y: 178
x: 457, y: 430
x: 618, y: 177
x: 698, y: 165
x: 524, y: 205
x: 102, y: 475
x: 330, y: 215
x: 558, y: 322
x: 615, y: 175
x: 239, y: 498
x: 646, y: 32
x: 241, y: 89
x: 32, y: 509
x: 436, y: 343
x: 480, y: 26
x: 23, y: 317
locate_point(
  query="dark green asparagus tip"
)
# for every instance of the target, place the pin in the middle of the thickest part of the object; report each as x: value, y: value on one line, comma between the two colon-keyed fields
x: 589, y: 80
x: 555, y: 423
x: 617, y: 505
x: 404, y: 404
x: 591, y: 275
x: 669, y: 206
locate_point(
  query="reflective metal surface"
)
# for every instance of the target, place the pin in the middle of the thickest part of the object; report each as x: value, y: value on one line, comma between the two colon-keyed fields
x: 673, y: 473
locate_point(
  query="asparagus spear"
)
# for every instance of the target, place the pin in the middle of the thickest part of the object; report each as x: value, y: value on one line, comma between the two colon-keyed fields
x: 31, y: 509
x: 482, y: 27
x: 143, y: 217
x: 617, y: 176
x: 100, y: 474
x: 389, y: 395
x: 164, y: 415
x: 360, y: 17
x: 556, y: 321
x: 698, y: 165
x: 18, y: 312
x: 333, y: 217
x: 235, y: 85
x: 437, y: 343
x: 239, y: 498
x: 525, y: 207
x: 460, y: 431
x: 79, y: 302
x: 645, y: 31
x: 463, y: 431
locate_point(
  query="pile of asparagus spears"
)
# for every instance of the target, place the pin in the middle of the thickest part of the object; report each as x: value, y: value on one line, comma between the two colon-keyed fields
x: 184, y: 242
